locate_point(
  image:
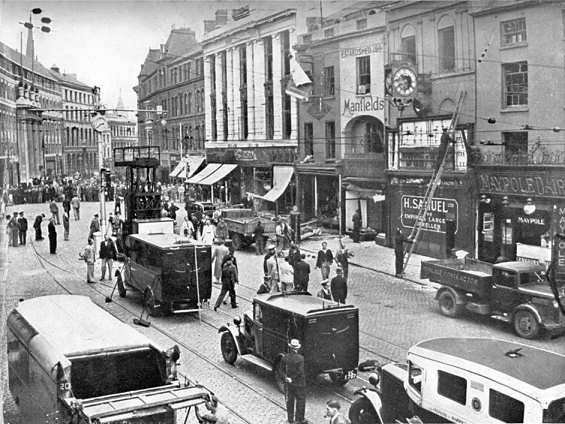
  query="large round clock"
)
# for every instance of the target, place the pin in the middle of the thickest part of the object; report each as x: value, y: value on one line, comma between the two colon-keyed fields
x: 404, y: 82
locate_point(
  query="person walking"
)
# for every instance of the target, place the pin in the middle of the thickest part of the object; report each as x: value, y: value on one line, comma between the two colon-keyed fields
x: 301, y: 274
x: 293, y: 254
x: 399, y: 241
x: 66, y: 226
x: 94, y: 226
x: 333, y: 412
x: 208, y: 232
x: 229, y: 280
x: 295, y: 387
x: 324, y: 260
x: 14, y: 230
x: 342, y: 256
x: 108, y: 254
x: 75, y: 203
x: 188, y: 228
x: 54, y: 209
x: 37, y: 227
x: 66, y: 204
x: 259, y: 238
x: 357, y: 222
x: 219, y: 252
x: 324, y: 292
x: 338, y: 286
x: 52, y: 234
x: 22, y: 225
x: 87, y: 255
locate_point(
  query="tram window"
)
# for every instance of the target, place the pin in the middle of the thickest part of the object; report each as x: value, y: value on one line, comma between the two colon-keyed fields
x: 505, y: 408
x: 452, y: 387
x: 415, y: 376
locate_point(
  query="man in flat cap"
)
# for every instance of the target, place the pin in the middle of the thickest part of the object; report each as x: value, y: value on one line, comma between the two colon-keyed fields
x: 333, y: 412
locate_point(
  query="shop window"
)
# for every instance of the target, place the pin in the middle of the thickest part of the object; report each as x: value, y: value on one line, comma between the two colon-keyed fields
x: 329, y: 81
x: 330, y: 140
x: 505, y: 408
x: 364, y: 75
x: 513, y: 32
x: 374, y: 137
x: 308, y: 138
x: 515, y: 147
x: 488, y: 226
x: 452, y: 387
x: 446, y: 43
x: 515, y: 84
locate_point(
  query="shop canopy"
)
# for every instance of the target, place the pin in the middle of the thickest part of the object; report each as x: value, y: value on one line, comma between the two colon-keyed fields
x: 366, y: 193
x: 213, y: 173
x: 187, y: 167
x: 281, y: 179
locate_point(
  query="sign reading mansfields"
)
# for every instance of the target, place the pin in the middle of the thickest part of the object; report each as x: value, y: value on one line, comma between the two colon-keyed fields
x: 532, y: 183
x: 363, y: 104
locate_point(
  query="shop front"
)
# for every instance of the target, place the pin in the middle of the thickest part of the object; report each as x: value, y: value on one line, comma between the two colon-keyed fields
x: 516, y: 212
x: 449, y: 223
x: 319, y: 192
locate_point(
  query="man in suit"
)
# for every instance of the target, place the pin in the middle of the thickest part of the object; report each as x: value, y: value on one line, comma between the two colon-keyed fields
x: 339, y: 287
x: 295, y: 379
x: 301, y: 274
x: 324, y: 260
x: 108, y: 254
x: 22, y: 223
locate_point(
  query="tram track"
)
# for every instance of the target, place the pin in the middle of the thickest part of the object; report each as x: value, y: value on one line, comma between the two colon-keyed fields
x: 42, y: 261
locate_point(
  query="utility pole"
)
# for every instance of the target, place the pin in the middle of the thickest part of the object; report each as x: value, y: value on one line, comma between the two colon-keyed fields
x: 100, y: 143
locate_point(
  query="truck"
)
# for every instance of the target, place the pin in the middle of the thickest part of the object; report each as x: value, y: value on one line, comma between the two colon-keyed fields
x: 242, y: 222
x: 513, y: 292
x: 70, y: 361
x: 465, y: 380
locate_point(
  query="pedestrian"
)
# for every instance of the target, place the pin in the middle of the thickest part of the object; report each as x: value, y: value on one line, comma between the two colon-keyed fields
x: 273, y: 272
x: 75, y: 203
x: 222, y: 229
x: 52, y: 234
x: 271, y: 248
x: 295, y: 387
x: 22, y: 226
x: 293, y: 254
x: 94, y: 226
x: 342, y: 256
x: 66, y: 204
x: 116, y: 224
x: 259, y: 238
x: 399, y: 241
x: 301, y: 274
x: 286, y: 233
x: 173, y: 211
x: 87, y: 255
x: 286, y: 274
x: 338, y: 287
x: 66, y: 226
x: 231, y: 255
x: 333, y: 412
x: 279, y: 233
x: 219, y: 252
x: 265, y: 286
x: 54, y: 209
x: 37, y: 227
x: 357, y: 223
x: 14, y: 229
x: 324, y: 292
x: 208, y: 232
x: 108, y: 254
x: 324, y: 260
x: 187, y: 228
x: 229, y: 280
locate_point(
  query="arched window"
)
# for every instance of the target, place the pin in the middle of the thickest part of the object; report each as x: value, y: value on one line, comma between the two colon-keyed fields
x: 408, y: 43
x: 446, y: 44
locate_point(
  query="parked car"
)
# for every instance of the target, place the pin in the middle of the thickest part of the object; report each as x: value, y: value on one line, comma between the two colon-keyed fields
x: 466, y: 380
x: 328, y: 331
x: 241, y: 224
x: 513, y: 292
x: 200, y: 209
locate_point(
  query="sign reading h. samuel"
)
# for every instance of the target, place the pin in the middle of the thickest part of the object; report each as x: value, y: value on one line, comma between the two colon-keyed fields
x: 440, y: 209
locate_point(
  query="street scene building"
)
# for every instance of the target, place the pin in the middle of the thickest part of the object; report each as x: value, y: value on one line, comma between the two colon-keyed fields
x: 379, y: 187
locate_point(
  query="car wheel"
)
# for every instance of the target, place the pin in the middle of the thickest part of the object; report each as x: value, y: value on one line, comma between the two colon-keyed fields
x: 121, y: 286
x: 363, y: 412
x: 525, y: 324
x: 237, y: 241
x: 448, y: 305
x: 279, y: 374
x: 229, y: 349
x: 150, y: 303
x: 338, y: 378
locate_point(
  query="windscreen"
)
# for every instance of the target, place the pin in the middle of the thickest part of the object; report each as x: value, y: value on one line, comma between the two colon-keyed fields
x: 556, y: 412
x: 114, y: 373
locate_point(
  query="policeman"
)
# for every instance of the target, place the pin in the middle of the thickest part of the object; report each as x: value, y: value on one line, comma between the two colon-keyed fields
x: 295, y: 379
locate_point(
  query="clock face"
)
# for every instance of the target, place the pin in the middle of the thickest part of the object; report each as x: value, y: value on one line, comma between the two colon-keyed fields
x: 404, y: 82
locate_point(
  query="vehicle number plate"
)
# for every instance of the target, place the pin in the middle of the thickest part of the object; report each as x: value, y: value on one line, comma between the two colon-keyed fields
x: 351, y: 374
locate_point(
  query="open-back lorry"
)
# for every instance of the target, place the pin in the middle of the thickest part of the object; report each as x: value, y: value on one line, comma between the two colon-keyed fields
x: 513, y: 292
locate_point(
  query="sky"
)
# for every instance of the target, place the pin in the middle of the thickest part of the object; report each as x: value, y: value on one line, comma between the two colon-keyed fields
x: 104, y: 42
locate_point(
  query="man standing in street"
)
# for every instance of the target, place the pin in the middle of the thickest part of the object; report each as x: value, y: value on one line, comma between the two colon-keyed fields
x: 342, y: 258
x: 88, y: 257
x: 259, y: 238
x: 94, y: 226
x: 355, y: 235
x: 222, y: 229
x: 333, y: 412
x: 286, y: 274
x: 107, y: 254
x: 22, y: 224
x: 324, y: 292
x: 14, y: 229
x: 229, y: 280
x: 301, y: 274
x: 52, y: 234
x: 325, y: 258
x: 339, y: 287
x: 295, y: 379
x: 54, y: 209
x: 66, y: 226
x: 75, y: 203
x: 399, y: 241
x: 270, y: 252
x: 66, y: 205
x: 219, y: 252
x: 37, y: 227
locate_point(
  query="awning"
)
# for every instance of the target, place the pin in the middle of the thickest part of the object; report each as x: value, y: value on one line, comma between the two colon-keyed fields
x: 281, y: 179
x: 192, y: 163
x: 209, y: 169
x: 178, y: 169
x: 218, y: 175
x: 366, y: 193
